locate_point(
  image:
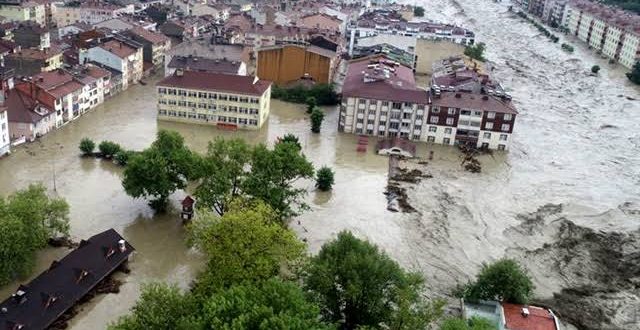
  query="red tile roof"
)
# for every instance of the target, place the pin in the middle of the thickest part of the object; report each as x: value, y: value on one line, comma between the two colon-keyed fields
x: 400, y: 86
x: 20, y: 108
x: 118, y: 48
x: 51, y: 79
x: 152, y: 37
x: 65, y: 89
x: 474, y: 102
x: 538, y: 319
x: 97, y: 72
x: 216, y: 82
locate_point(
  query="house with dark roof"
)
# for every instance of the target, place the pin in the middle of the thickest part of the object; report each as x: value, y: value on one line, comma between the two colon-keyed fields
x: 226, y: 101
x: 30, y: 61
x: 39, y: 303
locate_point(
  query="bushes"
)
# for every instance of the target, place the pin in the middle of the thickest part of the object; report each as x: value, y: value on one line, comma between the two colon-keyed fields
x: 317, y: 117
x: 595, y: 69
x: 418, y: 11
x: 634, y: 75
x: 567, y: 47
x: 324, y: 179
x: 476, y: 52
x: 108, y: 148
x: 503, y: 280
x: 86, y: 146
x: 324, y: 94
x: 540, y: 27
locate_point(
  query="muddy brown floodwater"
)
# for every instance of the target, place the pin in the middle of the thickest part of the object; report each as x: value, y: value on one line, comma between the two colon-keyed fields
x: 565, y: 200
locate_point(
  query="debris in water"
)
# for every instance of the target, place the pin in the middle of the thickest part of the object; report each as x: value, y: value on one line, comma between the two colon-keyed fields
x: 62, y: 242
x: 605, y: 126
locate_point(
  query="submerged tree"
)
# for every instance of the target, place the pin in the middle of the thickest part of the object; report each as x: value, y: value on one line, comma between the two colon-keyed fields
x: 418, y: 11
x: 87, y: 146
x: 324, y: 179
x: 311, y: 103
x: 290, y: 138
x: 246, y: 244
x: 159, y: 170
x: 634, y: 75
x: 273, y: 174
x: 28, y: 219
x: 317, y: 116
x: 595, y: 69
x: 476, y: 51
x: 503, y: 280
x: 359, y: 286
x: 224, y: 170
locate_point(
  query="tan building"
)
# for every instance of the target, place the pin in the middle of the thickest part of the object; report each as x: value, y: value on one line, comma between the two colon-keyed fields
x: 288, y: 63
x: 429, y: 51
x: 227, y: 101
x: 24, y: 11
x: 322, y: 21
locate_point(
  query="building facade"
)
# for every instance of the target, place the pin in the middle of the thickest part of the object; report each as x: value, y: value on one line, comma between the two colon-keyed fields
x: 227, y: 101
x: 23, y: 11
x: 5, y: 142
x: 613, y: 33
x: 125, y: 57
x: 90, y: 12
x: 380, y: 98
x: 289, y: 63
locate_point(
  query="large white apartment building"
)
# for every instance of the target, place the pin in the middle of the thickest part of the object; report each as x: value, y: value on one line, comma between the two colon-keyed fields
x: 226, y: 101
x: 5, y: 143
x: 613, y: 32
x: 123, y: 56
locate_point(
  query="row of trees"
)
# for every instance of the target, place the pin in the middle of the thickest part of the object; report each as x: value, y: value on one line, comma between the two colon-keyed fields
x: 324, y: 94
x: 476, y: 51
x: 259, y: 277
x: 28, y: 219
x: 228, y: 170
x: 107, y: 149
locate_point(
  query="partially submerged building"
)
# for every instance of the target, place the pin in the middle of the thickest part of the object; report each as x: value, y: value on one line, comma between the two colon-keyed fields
x: 39, y: 303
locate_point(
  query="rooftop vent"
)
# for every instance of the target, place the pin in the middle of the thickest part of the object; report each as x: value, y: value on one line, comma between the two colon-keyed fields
x: 122, y: 246
x: 525, y: 312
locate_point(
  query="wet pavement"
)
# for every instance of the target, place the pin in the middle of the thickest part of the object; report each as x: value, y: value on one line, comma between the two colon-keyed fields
x: 576, y: 143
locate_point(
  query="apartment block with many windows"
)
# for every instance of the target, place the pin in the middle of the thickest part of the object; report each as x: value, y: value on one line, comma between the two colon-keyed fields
x: 226, y: 101
x: 613, y: 32
x: 380, y: 98
x: 478, y: 120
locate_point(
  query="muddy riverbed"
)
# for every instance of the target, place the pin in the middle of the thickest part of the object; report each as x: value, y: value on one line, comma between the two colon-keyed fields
x: 572, y: 176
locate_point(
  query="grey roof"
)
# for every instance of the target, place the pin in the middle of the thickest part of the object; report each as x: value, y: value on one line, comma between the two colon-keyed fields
x: 204, y: 64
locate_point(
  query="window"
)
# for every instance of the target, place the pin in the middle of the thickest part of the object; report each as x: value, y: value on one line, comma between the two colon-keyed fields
x: 233, y: 108
x: 452, y: 111
x: 465, y: 112
x: 244, y: 99
x: 362, y: 101
x: 450, y: 121
x: 447, y: 130
x: 369, y: 132
x: 488, y: 125
x: 242, y: 121
x: 191, y: 104
x: 361, y: 111
x: 360, y: 120
x: 162, y: 112
x: 253, y: 111
x: 503, y: 137
x: 487, y: 135
x: 433, y: 128
x: 406, y: 115
x: 507, y: 116
x: 370, y: 121
x: 193, y: 94
x: 202, y: 117
x: 213, y: 96
x: 419, y: 117
x: 417, y: 127
x: 383, y: 113
x: 431, y: 139
x: 405, y: 125
x: 501, y: 147
x: 202, y: 95
x: 182, y: 93
x: 212, y: 107
x: 396, y: 105
x: 222, y: 97
x: 433, y: 120
x: 202, y: 105
x: 385, y: 103
x: 253, y: 122
x: 255, y: 101
x: 382, y: 123
x: 171, y: 91
x: 182, y: 103
x: 505, y: 127
x: 371, y: 112
x: 222, y: 119
x: 491, y: 115
x: 162, y: 101
x: 233, y: 98
x: 162, y: 90
x: 477, y: 113
x: 395, y: 115
x: 485, y: 145
x: 446, y: 141
x: 435, y: 110
x: 394, y: 125
x: 172, y: 102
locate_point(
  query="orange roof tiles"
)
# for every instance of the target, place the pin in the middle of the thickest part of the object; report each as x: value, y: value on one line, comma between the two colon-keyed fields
x: 538, y: 319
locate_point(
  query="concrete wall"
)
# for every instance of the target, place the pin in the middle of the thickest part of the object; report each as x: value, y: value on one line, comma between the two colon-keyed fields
x: 429, y: 51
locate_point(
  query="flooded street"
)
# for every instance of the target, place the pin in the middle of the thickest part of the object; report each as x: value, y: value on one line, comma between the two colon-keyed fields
x: 576, y: 144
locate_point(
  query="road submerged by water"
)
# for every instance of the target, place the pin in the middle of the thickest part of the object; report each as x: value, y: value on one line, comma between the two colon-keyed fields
x: 564, y: 201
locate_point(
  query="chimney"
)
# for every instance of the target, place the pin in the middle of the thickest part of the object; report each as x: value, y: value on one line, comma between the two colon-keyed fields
x: 179, y: 72
x: 525, y: 312
x: 122, y: 246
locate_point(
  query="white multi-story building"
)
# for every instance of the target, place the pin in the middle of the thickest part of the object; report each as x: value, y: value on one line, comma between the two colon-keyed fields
x: 380, y: 98
x: 91, y: 12
x: 613, y: 32
x: 5, y: 142
x: 125, y: 57
x: 227, y: 101
x: 21, y: 11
